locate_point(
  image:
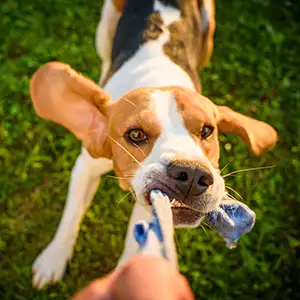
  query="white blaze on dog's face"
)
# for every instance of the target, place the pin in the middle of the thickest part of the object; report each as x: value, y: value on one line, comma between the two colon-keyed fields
x: 158, y: 138
x: 172, y: 135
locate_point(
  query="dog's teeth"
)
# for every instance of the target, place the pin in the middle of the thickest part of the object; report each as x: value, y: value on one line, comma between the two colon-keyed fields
x: 175, y: 203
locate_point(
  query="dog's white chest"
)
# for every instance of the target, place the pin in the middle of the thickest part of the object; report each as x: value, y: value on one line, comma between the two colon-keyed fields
x: 148, y: 67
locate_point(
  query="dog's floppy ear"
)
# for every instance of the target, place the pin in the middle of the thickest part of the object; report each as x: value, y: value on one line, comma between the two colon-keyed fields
x: 62, y: 95
x: 258, y: 135
x: 208, y: 24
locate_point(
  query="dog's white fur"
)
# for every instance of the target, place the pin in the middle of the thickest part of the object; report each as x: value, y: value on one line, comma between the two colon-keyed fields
x: 104, y: 34
x: 174, y: 139
x: 50, y: 265
x: 148, y: 67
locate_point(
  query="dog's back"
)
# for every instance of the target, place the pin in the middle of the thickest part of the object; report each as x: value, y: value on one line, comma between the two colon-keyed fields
x: 154, y: 42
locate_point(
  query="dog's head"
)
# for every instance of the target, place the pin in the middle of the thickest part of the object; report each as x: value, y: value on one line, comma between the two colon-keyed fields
x: 158, y: 138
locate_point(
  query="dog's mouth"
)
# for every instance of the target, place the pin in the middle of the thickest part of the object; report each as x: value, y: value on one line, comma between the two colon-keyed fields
x: 183, y: 215
x: 231, y: 218
x: 176, y: 204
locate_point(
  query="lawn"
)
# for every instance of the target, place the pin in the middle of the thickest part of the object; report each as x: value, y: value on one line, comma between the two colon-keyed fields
x: 254, y: 69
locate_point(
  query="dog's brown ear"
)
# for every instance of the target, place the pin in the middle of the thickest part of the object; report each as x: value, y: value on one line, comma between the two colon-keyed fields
x: 208, y: 24
x: 258, y: 135
x: 63, y: 96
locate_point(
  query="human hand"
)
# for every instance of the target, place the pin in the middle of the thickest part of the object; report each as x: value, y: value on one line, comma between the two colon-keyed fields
x: 142, y: 278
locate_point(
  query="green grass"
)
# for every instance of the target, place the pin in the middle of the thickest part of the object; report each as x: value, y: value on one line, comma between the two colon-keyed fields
x: 255, y: 70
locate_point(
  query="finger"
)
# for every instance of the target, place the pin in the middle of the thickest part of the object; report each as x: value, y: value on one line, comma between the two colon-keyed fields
x: 97, y: 290
x: 145, y: 277
x: 184, y: 291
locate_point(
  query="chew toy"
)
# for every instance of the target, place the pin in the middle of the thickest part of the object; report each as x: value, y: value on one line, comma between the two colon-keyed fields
x: 231, y: 219
x: 157, y: 236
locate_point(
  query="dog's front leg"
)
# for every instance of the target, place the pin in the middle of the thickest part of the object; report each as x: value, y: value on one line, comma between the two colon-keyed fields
x: 50, y: 265
x: 139, y: 212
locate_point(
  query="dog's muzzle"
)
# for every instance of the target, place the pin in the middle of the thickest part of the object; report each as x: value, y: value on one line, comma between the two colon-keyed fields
x: 186, y: 186
x: 189, y: 181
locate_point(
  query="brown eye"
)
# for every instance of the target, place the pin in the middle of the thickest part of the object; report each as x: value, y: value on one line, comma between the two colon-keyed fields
x: 136, y: 136
x: 206, y: 132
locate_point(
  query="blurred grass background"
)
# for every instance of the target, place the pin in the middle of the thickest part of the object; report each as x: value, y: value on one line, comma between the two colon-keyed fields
x: 254, y: 69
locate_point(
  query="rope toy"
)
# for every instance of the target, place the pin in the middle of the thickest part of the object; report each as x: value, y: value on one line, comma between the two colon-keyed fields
x: 231, y: 219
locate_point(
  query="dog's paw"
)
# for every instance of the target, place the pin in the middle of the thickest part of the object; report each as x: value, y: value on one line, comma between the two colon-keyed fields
x: 49, y: 267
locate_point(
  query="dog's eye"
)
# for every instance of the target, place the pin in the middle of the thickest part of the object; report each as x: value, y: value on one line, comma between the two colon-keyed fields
x: 206, y: 132
x: 136, y: 136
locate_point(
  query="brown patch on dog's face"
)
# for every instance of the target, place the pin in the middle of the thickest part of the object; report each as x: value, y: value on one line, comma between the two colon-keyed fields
x: 197, y: 111
x: 132, y: 111
x: 135, y: 111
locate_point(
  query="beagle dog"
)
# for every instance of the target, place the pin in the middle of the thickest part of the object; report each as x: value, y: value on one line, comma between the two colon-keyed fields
x: 148, y: 122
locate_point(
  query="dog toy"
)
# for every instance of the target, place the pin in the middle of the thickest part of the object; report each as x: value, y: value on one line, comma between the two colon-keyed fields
x: 157, y: 236
x: 231, y: 219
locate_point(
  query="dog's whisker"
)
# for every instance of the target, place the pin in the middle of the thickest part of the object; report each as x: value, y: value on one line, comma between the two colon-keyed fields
x: 177, y: 243
x: 123, y: 198
x: 206, y: 224
x: 125, y: 150
x: 191, y: 208
x: 194, y: 209
x: 140, y: 150
x: 143, y: 204
x: 225, y: 166
x: 249, y: 169
x: 204, y: 229
x: 233, y: 190
x: 126, y: 99
x: 232, y: 197
x: 117, y: 177
x: 133, y: 196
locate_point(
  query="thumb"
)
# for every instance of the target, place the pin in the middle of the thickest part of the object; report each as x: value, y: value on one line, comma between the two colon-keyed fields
x: 149, y: 278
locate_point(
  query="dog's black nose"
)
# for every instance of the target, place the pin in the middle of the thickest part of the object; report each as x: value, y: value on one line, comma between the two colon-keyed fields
x: 189, y: 180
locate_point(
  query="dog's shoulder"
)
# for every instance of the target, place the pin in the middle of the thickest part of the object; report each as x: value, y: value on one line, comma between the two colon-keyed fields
x: 177, y: 22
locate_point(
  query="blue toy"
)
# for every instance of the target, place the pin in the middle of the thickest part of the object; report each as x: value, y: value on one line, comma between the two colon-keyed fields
x: 231, y: 219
